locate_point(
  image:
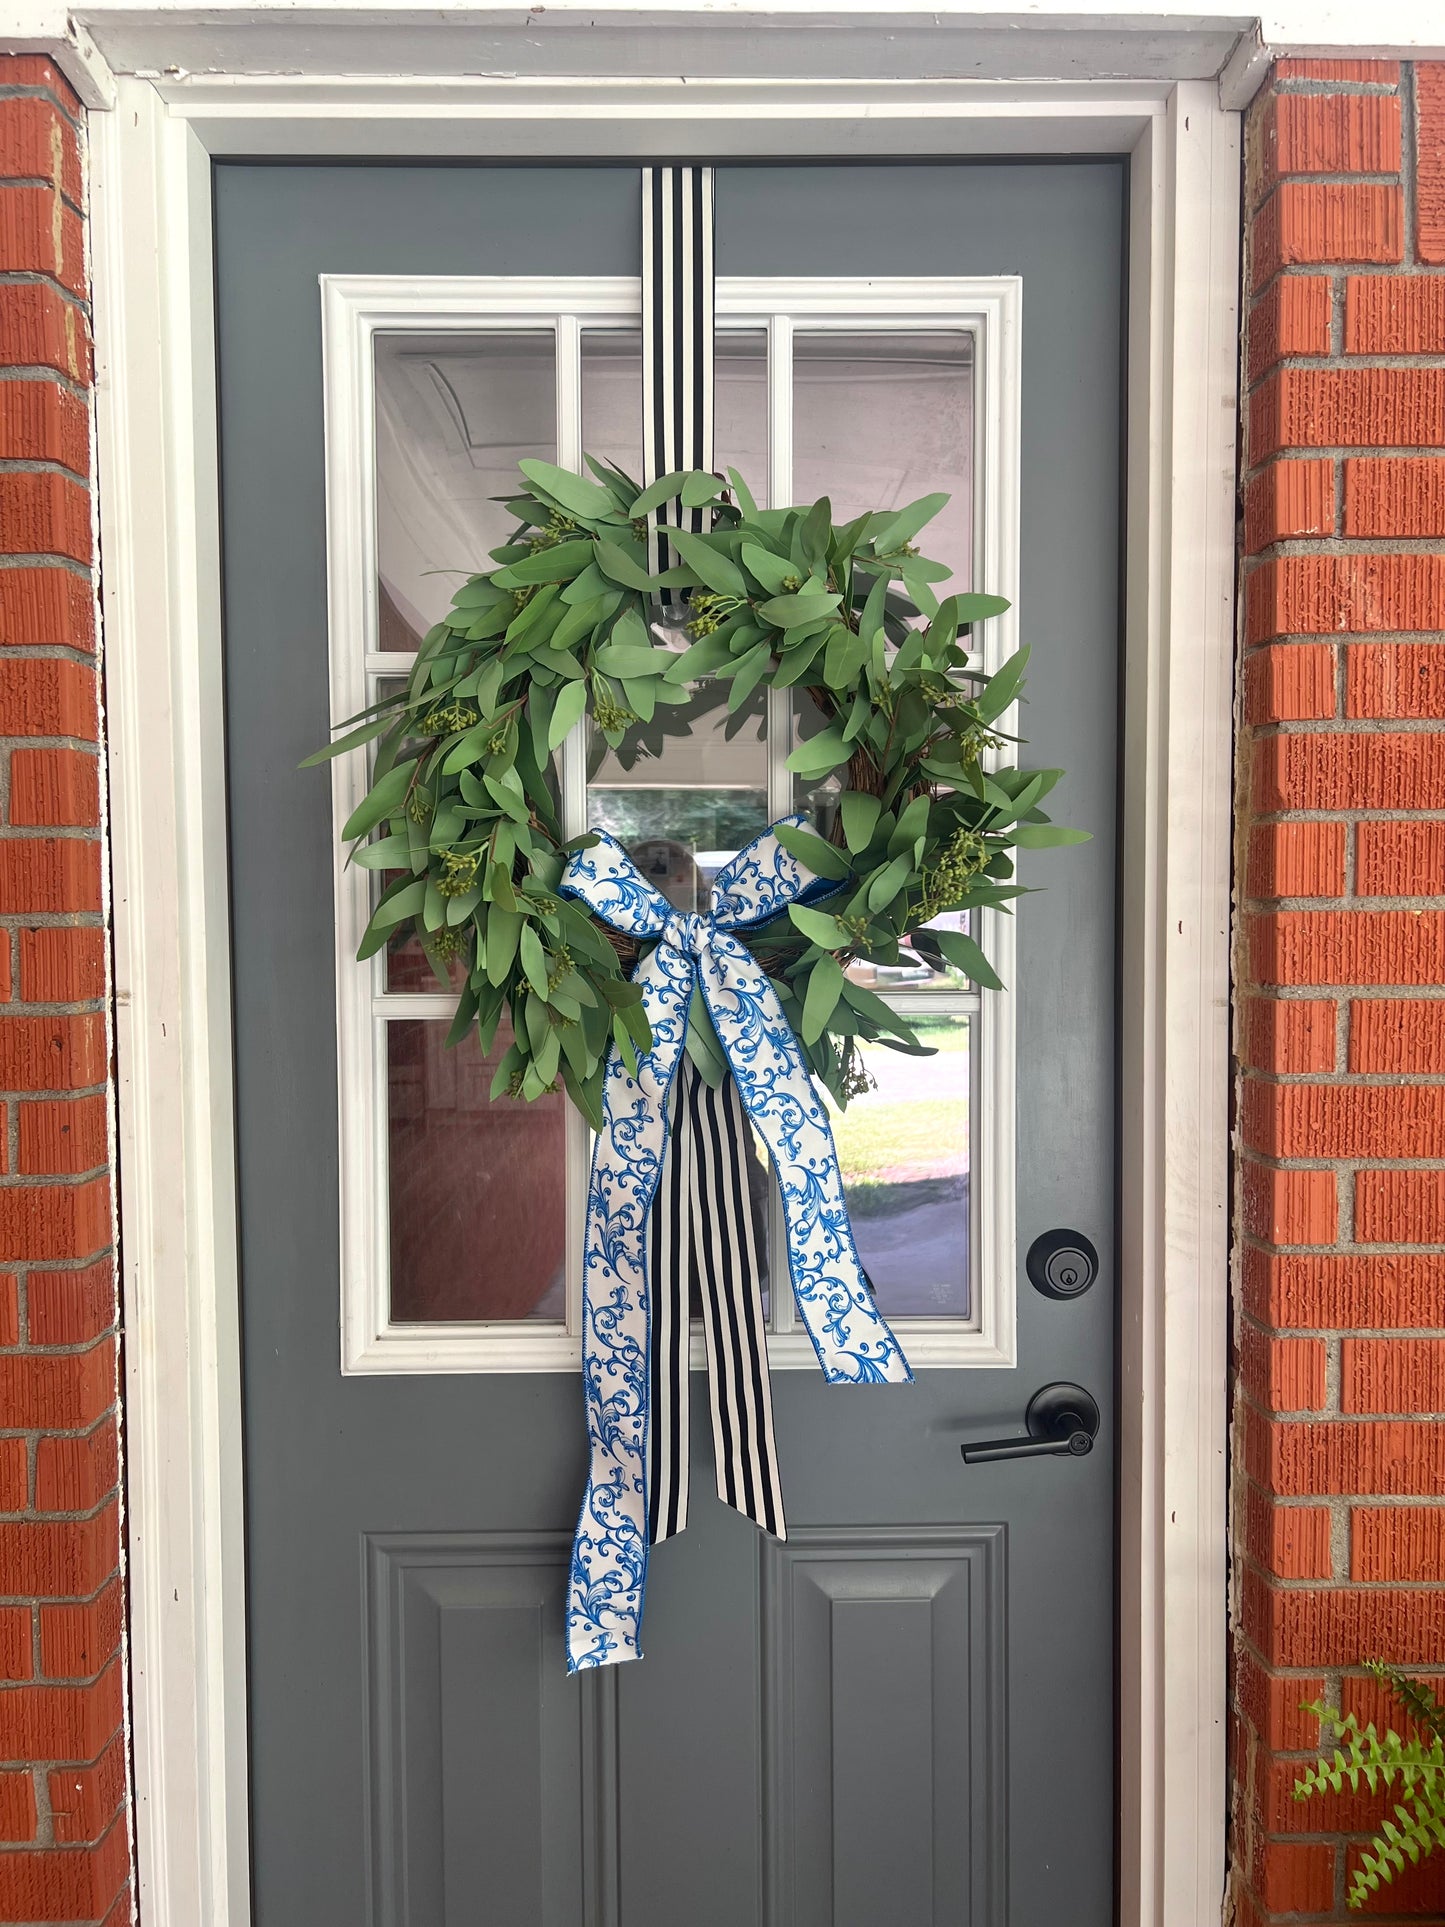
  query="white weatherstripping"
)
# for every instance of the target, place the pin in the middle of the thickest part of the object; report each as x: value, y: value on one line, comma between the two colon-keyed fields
x: 354, y: 311
x: 159, y: 526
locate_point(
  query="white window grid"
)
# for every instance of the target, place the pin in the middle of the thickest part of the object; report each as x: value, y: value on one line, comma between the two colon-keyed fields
x: 355, y: 310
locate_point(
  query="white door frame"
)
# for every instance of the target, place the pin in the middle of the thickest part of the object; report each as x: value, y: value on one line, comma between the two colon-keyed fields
x: 160, y: 543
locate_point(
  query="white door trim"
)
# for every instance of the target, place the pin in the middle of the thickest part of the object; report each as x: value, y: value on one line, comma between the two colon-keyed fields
x: 159, y: 522
x: 355, y: 309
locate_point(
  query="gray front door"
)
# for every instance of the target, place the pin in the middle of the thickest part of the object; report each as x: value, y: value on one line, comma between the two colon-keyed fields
x: 904, y: 1716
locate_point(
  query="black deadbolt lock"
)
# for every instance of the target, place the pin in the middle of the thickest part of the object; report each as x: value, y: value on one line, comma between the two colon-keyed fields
x: 1062, y: 1264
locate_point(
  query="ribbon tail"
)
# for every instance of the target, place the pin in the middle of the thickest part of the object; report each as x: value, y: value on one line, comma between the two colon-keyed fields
x: 726, y: 1242
x: 852, y: 1340
x: 608, y: 1574
x: 670, y: 1248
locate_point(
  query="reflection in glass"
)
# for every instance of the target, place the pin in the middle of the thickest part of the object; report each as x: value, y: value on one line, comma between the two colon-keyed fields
x: 454, y: 415
x: 612, y: 402
x: 684, y: 795
x: 612, y: 397
x: 477, y: 1206
x: 740, y: 430
x: 880, y: 419
x: 904, y: 1151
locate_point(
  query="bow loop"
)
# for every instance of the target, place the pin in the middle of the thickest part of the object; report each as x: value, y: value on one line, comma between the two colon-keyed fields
x: 764, y: 879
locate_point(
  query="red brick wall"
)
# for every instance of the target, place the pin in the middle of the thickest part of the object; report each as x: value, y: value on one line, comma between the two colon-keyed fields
x: 1339, y: 1441
x: 64, y: 1847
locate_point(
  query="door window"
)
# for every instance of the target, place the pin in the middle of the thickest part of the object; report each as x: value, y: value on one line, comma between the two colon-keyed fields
x: 462, y: 1215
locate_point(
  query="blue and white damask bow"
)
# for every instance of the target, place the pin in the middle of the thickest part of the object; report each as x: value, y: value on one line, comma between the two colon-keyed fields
x: 853, y: 1343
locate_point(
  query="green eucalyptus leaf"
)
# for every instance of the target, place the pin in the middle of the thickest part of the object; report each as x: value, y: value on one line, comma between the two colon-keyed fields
x: 1047, y: 836
x: 386, y: 795
x: 660, y: 491
x: 818, y: 926
x: 715, y: 570
x: 700, y: 487
x: 980, y: 608
x: 887, y: 882
x: 572, y: 493
x: 560, y: 563
x: 773, y: 571
x: 797, y: 611
x: 891, y: 533
x: 860, y: 813
x: 619, y: 565
x: 1001, y: 688
x: 825, y: 987
x: 820, y: 754
x: 504, y: 930
x: 823, y: 859
x: 743, y: 495
x: 567, y: 712
x: 964, y: 954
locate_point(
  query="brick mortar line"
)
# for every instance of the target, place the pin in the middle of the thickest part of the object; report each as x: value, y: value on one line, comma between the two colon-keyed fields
x: 91, y: 1007
x: 1292, y: 638
x: 1274, y: 1162
x: 1321, y: 178
x: 1331, y: 728
x: 1370, y: 89
x: 1290, y: 548
x: 1346, y: 819
x: 1340, y: 360
x: 35, y: 90
x: 49, y: 184
x: 1372, y: 1334
x: 19, y: 833
x: 43, y: 465
x: 1417, y: 905
x: 1342, y: 1080
x: 1364, y: 270
x: 1409, y: 131
x: 42, y: 278
x: 37, y: 371
x: 13, y: 1180
x: 1288, y: 177
x: 66, y: 564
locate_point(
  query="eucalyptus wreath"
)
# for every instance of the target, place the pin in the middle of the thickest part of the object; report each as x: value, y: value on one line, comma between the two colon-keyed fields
x: 913, y: 817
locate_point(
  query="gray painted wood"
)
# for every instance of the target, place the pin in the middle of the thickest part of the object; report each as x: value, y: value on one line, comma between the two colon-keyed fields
x: 419, y: 1760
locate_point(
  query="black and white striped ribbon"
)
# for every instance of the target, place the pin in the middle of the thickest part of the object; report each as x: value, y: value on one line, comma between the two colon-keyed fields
x: 678, y: 326
x: 704, y: 1239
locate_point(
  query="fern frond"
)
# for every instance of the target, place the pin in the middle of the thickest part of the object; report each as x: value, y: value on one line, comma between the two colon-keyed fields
x: 1420, y: 1832
x: 1413, y: 1694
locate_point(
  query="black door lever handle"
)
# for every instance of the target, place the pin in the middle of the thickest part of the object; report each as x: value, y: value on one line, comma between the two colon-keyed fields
x: 1062, y: 1422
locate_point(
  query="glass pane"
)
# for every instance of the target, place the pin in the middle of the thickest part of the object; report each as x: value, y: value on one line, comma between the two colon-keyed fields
x: 454, y: 416
x: 477, y: 1189
x: 740, y: 428
x: 904, y: 1150
x: 612, y: 397
x: 685, y: 795
x: 880, y: 419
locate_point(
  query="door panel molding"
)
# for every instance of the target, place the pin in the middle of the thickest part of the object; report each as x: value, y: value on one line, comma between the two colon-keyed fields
x: 456, y: 1624
x: 158, y: 509
x: 857, y: 1623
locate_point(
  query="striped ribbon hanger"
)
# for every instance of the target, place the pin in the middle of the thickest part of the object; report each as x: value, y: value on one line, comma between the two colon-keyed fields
x: 678, y: 329
x: 703, y: 1240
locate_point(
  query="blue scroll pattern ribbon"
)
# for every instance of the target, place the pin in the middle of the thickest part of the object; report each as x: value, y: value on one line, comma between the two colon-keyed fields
x: 853, y: 1343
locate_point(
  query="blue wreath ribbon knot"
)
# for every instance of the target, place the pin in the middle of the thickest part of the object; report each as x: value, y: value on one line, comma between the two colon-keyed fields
x: 854, y: 1344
